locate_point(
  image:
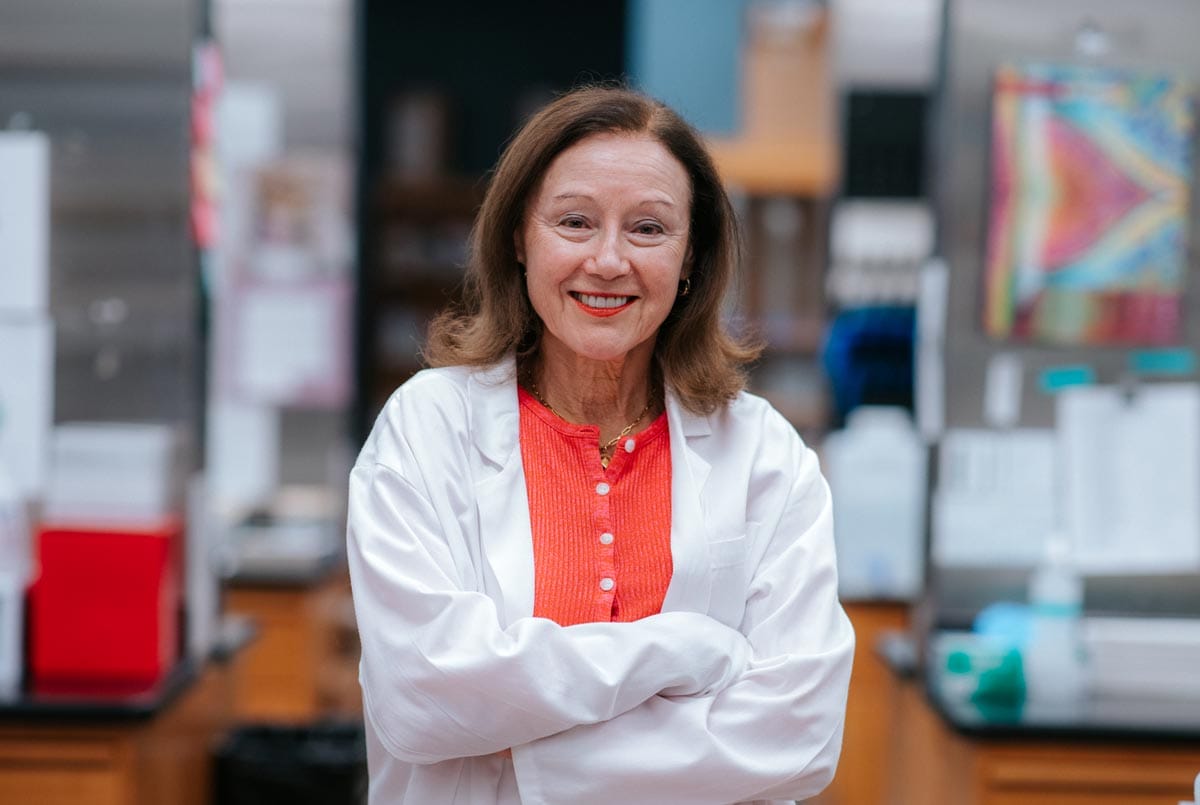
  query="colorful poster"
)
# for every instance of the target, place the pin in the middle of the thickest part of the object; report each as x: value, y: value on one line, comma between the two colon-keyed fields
x: 1087, y: 237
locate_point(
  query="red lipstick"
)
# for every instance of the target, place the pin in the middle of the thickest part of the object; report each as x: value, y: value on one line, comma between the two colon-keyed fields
x: 603, y: 312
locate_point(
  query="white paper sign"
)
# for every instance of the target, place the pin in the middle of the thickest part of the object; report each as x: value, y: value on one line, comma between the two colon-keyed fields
x: 292, y: 344
x: 995, y: 504
x: 1132, y: 475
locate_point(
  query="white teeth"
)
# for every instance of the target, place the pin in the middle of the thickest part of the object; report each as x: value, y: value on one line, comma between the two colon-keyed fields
x: 601, y: 301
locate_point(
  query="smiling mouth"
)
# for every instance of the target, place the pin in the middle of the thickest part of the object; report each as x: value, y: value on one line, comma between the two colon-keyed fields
x: 601, y: 302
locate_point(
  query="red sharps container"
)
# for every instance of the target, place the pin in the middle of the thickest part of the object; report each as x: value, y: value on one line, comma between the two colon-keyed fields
x: 105, y: 607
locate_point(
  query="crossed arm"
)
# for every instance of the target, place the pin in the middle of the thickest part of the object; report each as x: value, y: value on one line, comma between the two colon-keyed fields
x: 773, y: 733
x: 443, y: 680
x: 672, y: 708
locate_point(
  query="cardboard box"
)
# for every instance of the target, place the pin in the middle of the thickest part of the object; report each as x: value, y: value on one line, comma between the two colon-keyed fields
x: 24, y: 222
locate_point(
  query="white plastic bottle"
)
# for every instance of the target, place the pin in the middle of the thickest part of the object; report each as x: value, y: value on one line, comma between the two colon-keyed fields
x: 1053, y: 658
x: 876, y: 470
x: 14, y: 573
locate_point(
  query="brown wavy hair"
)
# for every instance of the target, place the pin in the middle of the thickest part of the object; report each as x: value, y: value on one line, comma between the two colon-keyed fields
x: 694, y: 353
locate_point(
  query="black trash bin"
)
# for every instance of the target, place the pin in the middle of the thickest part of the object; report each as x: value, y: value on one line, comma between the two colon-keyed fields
x: 319, y: 764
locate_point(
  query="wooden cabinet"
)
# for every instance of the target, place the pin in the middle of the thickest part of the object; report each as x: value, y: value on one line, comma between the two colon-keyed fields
x: 867, y: 743
x: 898, y: 750
x: 157, y: 759
x: 303, y: 664
x: 932, y: 764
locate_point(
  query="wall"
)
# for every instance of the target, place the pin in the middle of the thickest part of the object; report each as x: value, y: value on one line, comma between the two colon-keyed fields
x: 688, y: 54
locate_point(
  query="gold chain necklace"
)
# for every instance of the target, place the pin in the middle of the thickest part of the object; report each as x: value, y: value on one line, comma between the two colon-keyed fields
x: 606, y: 448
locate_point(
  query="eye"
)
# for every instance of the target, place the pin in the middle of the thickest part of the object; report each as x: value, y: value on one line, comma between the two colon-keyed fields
x: 648, y: 228
x: 573, y: 222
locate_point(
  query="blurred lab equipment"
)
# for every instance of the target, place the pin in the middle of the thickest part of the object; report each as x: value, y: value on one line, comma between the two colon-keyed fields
x: 978, y: 668
x: 1053, y: 661
x: 14, y: 572
x: 1143, y: 657
x: 877, y: 248
x: 26, y: 330
x: 868, y: 356
x: 24, y: 222
x: 876, y: 471
x: 296, y: 536
x: 26, y: 376
x: 106, y: 603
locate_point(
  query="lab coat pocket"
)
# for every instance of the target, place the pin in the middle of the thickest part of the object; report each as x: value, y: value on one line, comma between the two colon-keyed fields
x: 727, y: 552
x: 727, y: 569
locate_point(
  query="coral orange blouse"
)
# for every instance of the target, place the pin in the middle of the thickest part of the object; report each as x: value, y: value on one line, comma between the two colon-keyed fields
x: 601, y: 537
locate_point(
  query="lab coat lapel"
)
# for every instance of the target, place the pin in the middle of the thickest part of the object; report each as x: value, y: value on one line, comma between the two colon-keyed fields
x: 691, y: 582
x: 500, y: 497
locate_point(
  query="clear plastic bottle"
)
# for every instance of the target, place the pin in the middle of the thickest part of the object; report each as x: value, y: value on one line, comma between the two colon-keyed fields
x: 1053, y: 659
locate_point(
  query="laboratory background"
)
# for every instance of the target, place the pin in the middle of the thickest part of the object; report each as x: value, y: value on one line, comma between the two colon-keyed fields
x: 969, y: 242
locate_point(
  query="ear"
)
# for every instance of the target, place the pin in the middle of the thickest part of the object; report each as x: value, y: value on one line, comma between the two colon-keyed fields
x: 519, y: 246
x: 687, y: 263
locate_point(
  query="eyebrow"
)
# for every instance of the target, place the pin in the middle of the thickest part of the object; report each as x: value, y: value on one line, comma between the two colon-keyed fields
x: 568, y: 196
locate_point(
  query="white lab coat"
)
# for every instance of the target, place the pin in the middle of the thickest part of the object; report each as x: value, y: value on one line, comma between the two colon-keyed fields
x: 736, y: 692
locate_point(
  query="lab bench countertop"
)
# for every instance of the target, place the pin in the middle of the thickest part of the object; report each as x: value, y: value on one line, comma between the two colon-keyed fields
x: 1090, y: 718
x: 31, y: 706
x: 234, y: 634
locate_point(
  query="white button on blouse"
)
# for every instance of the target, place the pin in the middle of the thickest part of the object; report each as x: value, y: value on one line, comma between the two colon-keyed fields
x: 629, y: 445
x: 607, y: 584
x: 606, y: 538
x: 602, y: 488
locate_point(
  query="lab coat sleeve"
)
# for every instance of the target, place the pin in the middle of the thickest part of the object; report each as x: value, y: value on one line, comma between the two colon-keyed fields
x: 775, y: 733
x: 441, y: 679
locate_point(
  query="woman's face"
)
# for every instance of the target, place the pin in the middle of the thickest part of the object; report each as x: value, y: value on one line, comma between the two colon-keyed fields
x: 604, y: 243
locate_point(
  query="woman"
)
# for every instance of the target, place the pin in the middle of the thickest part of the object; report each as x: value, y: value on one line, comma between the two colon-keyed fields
x: 587, y: 566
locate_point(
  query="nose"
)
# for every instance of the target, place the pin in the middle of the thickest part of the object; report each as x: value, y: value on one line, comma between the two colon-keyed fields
x: 609, y: 261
